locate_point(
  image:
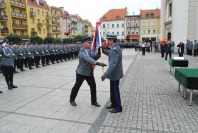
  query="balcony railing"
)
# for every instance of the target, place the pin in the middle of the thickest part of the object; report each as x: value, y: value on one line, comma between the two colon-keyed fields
x: 54, y: 23
x: 55, y: 15
x: 2, y: 5
x: 4, y: 31
x: 48, y: 17
x: 19, y: 26
x: 39, y: 25
x: 57, y: 31
x: 24, y: 37
x: 3, y: 18
x: 18, y: 4
x: 48, y: 25
x: 32, y: 14
x: 19, y: 15
x: 33, y: 33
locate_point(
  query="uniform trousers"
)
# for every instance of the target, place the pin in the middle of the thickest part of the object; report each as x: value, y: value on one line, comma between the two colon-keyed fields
x: 79, y: 80
x: 168, y: 53
x: 115, y: 95
x: 8, y: 73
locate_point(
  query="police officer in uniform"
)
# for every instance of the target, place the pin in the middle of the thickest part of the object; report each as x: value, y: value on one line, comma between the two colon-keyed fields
x: 85, y: 72
x: 7, y: 64
x: 114, y: 72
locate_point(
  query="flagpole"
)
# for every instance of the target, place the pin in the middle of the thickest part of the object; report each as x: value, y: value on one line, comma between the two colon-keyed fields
x: 101, y: 50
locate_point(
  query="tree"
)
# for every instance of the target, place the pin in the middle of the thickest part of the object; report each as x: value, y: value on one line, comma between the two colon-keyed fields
x: 79, y: 38
x: 36, y: 39
x: 49, y: 40
x: 14, y: 38
x: 58, y: 40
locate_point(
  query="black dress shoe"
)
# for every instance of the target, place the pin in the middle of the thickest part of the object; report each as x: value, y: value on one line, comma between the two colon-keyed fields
x: 14, y: 86
x: 96, y: 104
x: 22, y: 70
x: 114, y: 111
x: 9, y: 88
x: 1, y: 91
x: 30, y: 68
x: 73, y: 103
x: 109, y: 107
x: 16, y: 72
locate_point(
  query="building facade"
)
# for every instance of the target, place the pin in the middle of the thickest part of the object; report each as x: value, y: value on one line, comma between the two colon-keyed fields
x: 132, y: 26
x: 39, y: 18
x: 150, y: 25
x: 80, y: 26
x: 55, y: 13
x: 114, y: 22
x: 74, y: 25
x: 65, y: 23
x: 179, y: 23
x: 13, y: 18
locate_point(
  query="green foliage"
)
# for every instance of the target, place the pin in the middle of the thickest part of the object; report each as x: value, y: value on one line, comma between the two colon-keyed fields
x: 68, y: 40
x: 58, y: 40
x: 79, y: 38
x: 36, y: 39
x: 49, y: 40
x: 14, y: 38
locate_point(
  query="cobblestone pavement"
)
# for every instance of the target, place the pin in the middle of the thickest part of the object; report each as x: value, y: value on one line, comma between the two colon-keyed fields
x: 150, y: 100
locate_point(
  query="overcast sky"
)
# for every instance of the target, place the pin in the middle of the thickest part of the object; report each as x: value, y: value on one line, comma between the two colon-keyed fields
x: 94, y: 9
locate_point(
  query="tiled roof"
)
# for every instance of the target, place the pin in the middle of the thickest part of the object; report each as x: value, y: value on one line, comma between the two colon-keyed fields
x: 42, y: 4
x: 79, y: 19
x: 115, y: 14
x: 152, y: 13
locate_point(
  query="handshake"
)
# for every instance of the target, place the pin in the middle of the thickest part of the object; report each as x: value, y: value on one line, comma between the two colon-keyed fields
x: 101, y: 64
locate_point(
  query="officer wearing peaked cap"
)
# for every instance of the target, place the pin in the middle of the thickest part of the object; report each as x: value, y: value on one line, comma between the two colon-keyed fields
x: 114, y: 72
x: 7, y: 64
x: 85, y: 72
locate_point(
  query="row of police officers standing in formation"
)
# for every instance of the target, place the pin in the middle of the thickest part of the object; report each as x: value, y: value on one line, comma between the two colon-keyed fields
x: 13, y: 56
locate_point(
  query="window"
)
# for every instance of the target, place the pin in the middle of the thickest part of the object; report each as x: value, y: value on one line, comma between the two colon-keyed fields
x: 112, y: 25
x: 20, y: 12
x: 32, y: 21
x: 154, y: 23
x: 39, y: 31
x: 12, y: 9
x: 103, y: 33
x: 170, y: 9
x: 31, y: 10
x: 22, y: 33
x: 143, y: 23
x: 46, y: 13
x: 132, y: 23
x: 44, y: 31
x: 123, y: 33
x: 132, y: 31
x: 129, y: 32
x: 154, y: 31
x: 38, y: 20
x: 43, y: 21
x: 108, y: 26
x: 112, y: 32
x: 137, y: 23
x: 38, y: 12
x: 32, y: 0
x: 137, y: 31
x: 149, y: 32
x: 20, y: 22
x: 117, y: 25
x: 143, y: 32
x: 122, y: 25
x: 117, y: 33
x: 149, y: 24
x: 43, y: 13
x: 128, y: 23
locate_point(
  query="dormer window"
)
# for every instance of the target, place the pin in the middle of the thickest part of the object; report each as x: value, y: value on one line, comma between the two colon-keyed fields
x: 32, y: 0
x: 104, y: 17
x: 147, y: 14
x: 117, y: 16
x: 152, y: 14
